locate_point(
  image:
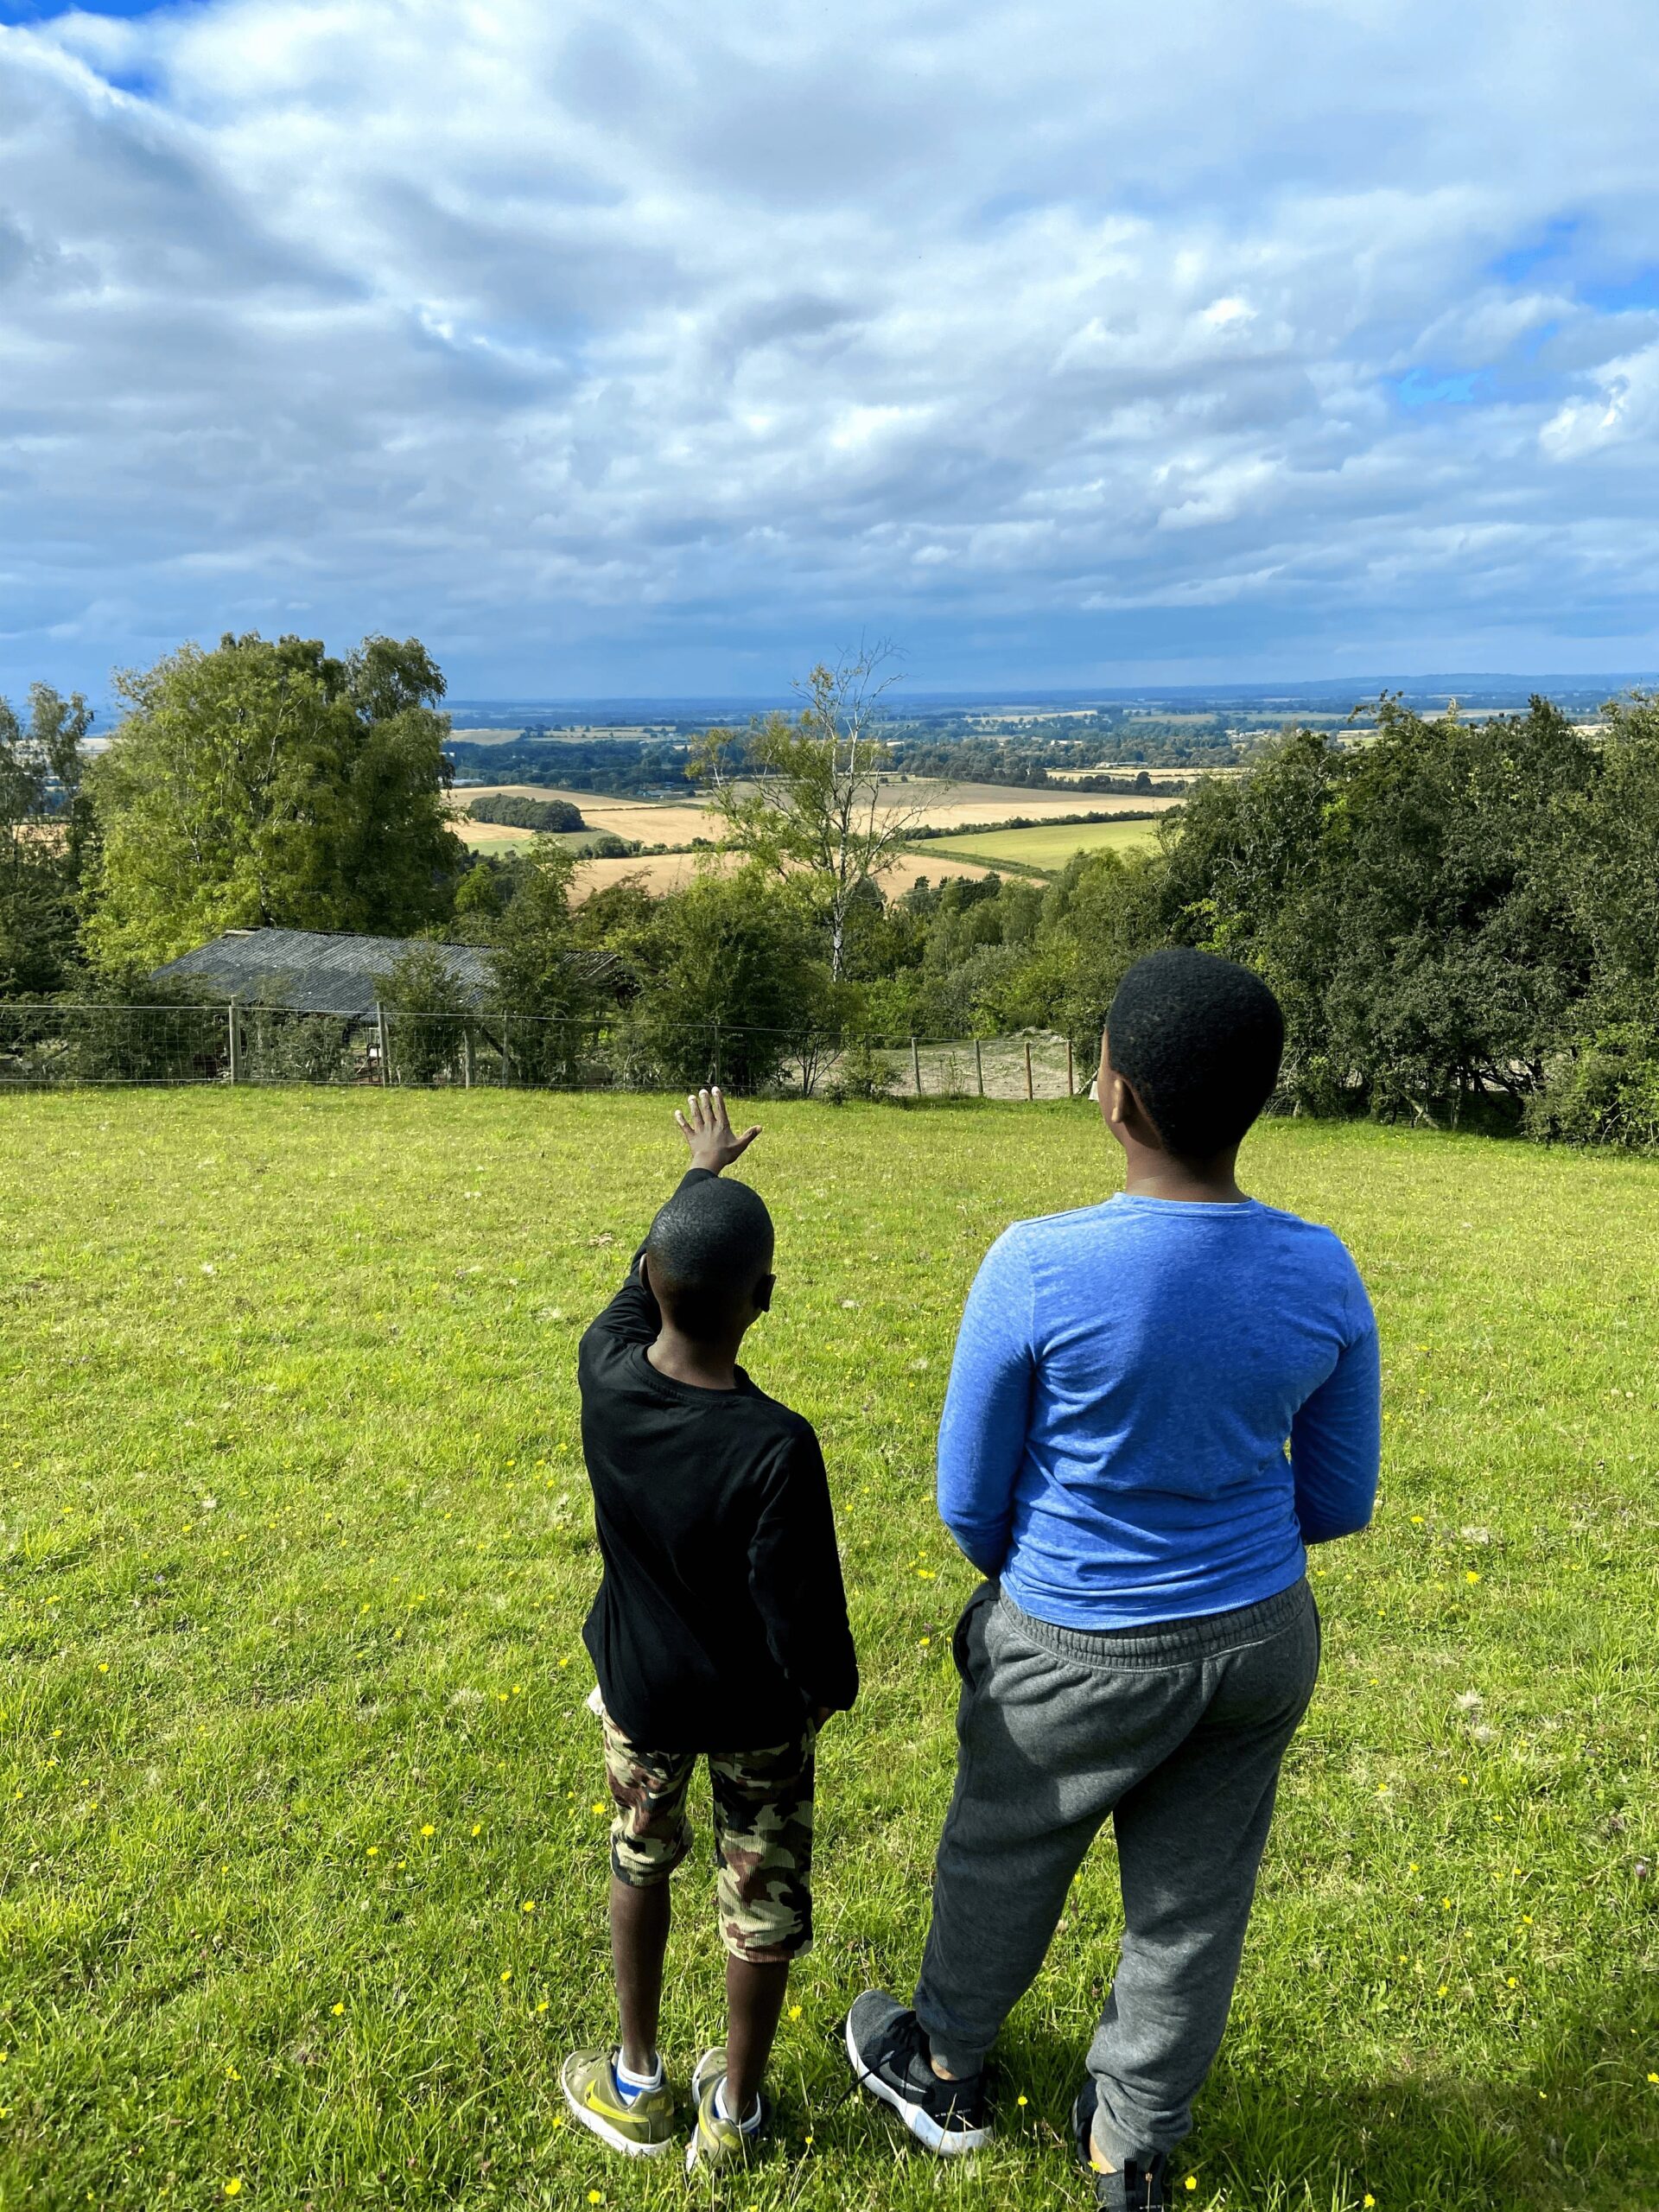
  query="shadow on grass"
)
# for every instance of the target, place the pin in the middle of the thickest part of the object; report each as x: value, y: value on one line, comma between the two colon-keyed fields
x: 1572, y: 2129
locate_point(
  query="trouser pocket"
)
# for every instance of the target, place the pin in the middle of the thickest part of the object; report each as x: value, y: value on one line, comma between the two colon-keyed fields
x: 968, y: 1643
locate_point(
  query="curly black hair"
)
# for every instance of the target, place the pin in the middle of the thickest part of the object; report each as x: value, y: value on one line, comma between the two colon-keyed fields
x: 1200, y: 1039
x: 708, y: 1247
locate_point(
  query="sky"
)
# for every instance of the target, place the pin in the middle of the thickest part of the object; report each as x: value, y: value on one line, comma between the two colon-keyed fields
x: 667, y: 349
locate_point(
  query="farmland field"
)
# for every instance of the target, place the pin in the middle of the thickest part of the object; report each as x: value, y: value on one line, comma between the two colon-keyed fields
x: 1048, y: 846
x: 663, y: 872
x: 303, y: 1856
x: 676, y: 822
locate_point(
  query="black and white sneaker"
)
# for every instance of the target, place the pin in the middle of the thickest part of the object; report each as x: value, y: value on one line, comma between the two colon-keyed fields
x: 1139, y: 2185
x: 889, y: 2055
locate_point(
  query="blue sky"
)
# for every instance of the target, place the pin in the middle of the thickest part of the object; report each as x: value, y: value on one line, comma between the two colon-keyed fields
x: 667, y: 349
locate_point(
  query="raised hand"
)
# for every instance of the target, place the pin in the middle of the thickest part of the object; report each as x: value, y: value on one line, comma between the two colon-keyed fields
x: 708, y: 1129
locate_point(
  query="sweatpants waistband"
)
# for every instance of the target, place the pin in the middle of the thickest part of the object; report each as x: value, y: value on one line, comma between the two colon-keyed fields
x: 1164, y: 1643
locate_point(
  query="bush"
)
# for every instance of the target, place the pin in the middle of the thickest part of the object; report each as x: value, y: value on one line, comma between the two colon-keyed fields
x: 427, y: 1014
x: 741, y: 989
x: 1608, y: 1093
x: 298, y: 1048
x: 861, y: 1073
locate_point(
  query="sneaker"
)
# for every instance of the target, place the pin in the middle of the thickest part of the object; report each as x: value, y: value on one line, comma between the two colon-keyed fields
x: 716, y: 2140
x: 644, y: 2129
x: 1138, y: 2185
x: 889, y: 2054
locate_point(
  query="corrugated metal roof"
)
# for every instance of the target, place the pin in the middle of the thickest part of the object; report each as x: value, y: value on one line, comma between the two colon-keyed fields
x: 314, y: 972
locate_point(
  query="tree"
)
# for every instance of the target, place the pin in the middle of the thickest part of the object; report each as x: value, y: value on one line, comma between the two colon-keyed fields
x: 533, y: 939
x: 543, y: 987
x: 514, y: 811
x: 43, y: 840
x: 804, y: 794
x: 1405, y: 900
x: 428, y: 1012
x: 739, y: 985
x: 266, y: 784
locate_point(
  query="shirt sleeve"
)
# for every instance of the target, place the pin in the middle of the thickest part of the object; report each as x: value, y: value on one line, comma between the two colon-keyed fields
x: 988, y: 1406
x: 633, y: 1315
x: 1336, y: 1440
x: 795, y: 1579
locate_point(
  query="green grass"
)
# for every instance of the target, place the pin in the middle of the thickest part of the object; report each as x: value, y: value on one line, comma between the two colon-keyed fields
x: 296, y: 1552
x: 1046, y: 847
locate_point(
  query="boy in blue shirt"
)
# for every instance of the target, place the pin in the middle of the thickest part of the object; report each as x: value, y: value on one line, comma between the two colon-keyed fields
x: 1155, y: 1404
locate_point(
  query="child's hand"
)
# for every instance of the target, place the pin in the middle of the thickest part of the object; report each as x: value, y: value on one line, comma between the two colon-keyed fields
x: 708, y: 1131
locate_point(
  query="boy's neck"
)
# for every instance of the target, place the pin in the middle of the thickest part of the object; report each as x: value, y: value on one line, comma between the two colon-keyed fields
x: 685, y: 1359
x: 1149, y: 1175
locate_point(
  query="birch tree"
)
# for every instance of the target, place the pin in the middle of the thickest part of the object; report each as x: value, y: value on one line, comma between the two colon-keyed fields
x: 804, y: 793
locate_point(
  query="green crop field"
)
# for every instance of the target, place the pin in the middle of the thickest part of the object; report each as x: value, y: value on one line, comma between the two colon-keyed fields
x: 1048, y: 846
x: 304, y: 1857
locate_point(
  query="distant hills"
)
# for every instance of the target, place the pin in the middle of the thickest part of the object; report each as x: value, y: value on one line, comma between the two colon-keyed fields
x: 1323, y: 695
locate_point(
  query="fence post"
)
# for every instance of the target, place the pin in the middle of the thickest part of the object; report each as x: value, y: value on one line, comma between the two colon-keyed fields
x: 716, y: 1048
x: 386, y: 1044
x: 916, y: 1066
x: 979, y: 1066
x: 506, y: 1052
x: 1030, y: 1093
x: 466, y: 1059
x: 236, y: 1043
x: 1071, y: 1079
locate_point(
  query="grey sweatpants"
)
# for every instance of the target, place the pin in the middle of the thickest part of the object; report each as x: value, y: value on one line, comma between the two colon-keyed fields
x: 1175, y: 1733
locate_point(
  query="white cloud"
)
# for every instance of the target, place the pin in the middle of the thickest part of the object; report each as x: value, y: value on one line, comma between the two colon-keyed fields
x: 657, y: 350
x: 1625, y: 410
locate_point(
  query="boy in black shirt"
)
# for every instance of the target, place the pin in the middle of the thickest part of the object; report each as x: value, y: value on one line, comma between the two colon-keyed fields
x: 719, y: 1628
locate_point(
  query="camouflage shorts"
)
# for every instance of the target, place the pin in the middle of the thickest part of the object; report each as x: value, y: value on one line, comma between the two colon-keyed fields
x: 763, y: 1835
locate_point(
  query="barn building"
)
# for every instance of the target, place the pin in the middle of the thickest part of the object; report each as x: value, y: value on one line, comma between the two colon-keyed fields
x: 313, y: 971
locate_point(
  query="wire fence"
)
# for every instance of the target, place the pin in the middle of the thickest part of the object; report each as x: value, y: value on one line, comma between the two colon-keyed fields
x: 50, y: 1046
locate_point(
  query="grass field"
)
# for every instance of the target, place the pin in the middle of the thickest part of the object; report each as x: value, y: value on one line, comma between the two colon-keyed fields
x: 1048, y: 846
x: 296, y: 1552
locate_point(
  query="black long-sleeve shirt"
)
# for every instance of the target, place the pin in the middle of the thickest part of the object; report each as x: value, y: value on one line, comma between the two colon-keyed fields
x: 720, y: 1621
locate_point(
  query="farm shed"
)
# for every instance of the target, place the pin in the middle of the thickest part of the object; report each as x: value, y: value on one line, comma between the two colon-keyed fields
x: 313, y: 971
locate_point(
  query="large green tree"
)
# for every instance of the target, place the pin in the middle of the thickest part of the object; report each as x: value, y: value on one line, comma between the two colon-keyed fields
x: 268, y: 783
x: 1407, y: 900
x: 43, y: 840
x: 735, y: 984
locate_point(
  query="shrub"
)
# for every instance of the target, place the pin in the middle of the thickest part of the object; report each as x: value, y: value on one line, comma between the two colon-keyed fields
x: 861, y: 1073
x: 1608, y: 1093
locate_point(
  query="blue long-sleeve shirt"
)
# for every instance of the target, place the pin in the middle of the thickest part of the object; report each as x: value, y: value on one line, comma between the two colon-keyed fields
x: 1154, y: 1405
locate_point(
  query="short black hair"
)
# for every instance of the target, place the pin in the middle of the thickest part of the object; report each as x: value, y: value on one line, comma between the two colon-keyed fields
x: 1200, y: 1039
x: 708, y: 1247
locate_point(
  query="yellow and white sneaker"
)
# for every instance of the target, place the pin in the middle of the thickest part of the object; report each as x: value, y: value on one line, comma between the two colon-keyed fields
x: 644, y: 2129
x: 716, y: 2140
